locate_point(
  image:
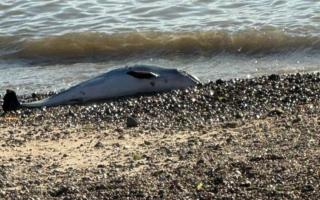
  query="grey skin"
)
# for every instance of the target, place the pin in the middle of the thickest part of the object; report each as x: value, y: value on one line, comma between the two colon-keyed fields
x: 126, y: 81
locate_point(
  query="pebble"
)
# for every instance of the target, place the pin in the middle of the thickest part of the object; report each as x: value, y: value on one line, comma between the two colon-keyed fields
x: 101, y: 166
x: 132, y: 122
x: 99, y: 145
x: 219, y: 101
x: 224, y: 102
x: 276, y: 111
x: 232, y: 124
x: 59, y: 191
x: 307, y: 188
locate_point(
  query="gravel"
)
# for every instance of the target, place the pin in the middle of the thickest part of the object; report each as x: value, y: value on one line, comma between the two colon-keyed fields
x: 235, y: 139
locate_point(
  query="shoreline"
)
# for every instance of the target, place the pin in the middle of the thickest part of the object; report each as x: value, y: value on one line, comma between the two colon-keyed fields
x: 244, y: 138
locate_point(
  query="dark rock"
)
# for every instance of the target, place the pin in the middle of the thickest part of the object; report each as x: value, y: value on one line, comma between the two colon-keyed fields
x: 296, y: 120
x: 34, y: 96
x: 101, y: 166
x: 218, y: 180
x: 161, y: 194
x: 200, y: 161
x: 119, y: 130
x: 99, y: 145
x: 220, y: 82
x: 266, y: 157
x: 245, y: 183
x: 132, y: 122
x: 274, y: 77
x: 307, y: 188
x: 59, y: 191
x: 276, y: 111
x: 137, y: 193
x: 232, y: 124
x: 239, y: 115
x: 121, y: 137
x: 98, y: 186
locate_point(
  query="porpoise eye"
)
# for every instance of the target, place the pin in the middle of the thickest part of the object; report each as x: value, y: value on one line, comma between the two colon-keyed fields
x: 152, y: 83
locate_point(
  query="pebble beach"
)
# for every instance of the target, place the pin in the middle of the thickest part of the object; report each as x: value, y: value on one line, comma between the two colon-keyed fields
x: 237, y: 139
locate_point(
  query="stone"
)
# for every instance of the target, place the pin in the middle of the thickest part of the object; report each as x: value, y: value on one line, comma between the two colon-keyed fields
x: 132, y: 122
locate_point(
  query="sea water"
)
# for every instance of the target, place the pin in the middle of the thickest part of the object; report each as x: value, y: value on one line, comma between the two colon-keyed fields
x: 47, y: 45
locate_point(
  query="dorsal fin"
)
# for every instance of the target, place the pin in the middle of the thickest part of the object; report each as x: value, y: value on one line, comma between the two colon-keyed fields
x: 142, y: 74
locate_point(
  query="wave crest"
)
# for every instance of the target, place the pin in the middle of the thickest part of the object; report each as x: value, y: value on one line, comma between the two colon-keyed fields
x: 101, y: 46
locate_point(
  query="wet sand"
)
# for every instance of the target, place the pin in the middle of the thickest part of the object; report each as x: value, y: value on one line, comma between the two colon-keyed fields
x: 243, y: 139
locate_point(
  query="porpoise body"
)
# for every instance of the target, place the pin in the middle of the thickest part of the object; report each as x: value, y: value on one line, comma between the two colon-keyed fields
x: 126, y: 81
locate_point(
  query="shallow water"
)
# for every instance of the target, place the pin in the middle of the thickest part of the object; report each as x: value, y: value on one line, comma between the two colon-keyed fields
x: 49, y: 45
x: 52, y: 17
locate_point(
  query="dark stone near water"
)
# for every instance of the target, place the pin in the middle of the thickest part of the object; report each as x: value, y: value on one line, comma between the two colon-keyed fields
x: 34, y: 96
x: 219, y: 82
x: 239, y: 115
x: 132, y: 122
x: 274, y: 77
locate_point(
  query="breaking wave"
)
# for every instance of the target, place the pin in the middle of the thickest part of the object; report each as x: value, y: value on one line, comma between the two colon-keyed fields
x: 94, y: 46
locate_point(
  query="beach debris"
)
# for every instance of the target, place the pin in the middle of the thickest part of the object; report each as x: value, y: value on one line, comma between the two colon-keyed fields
x: 199, y: 185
